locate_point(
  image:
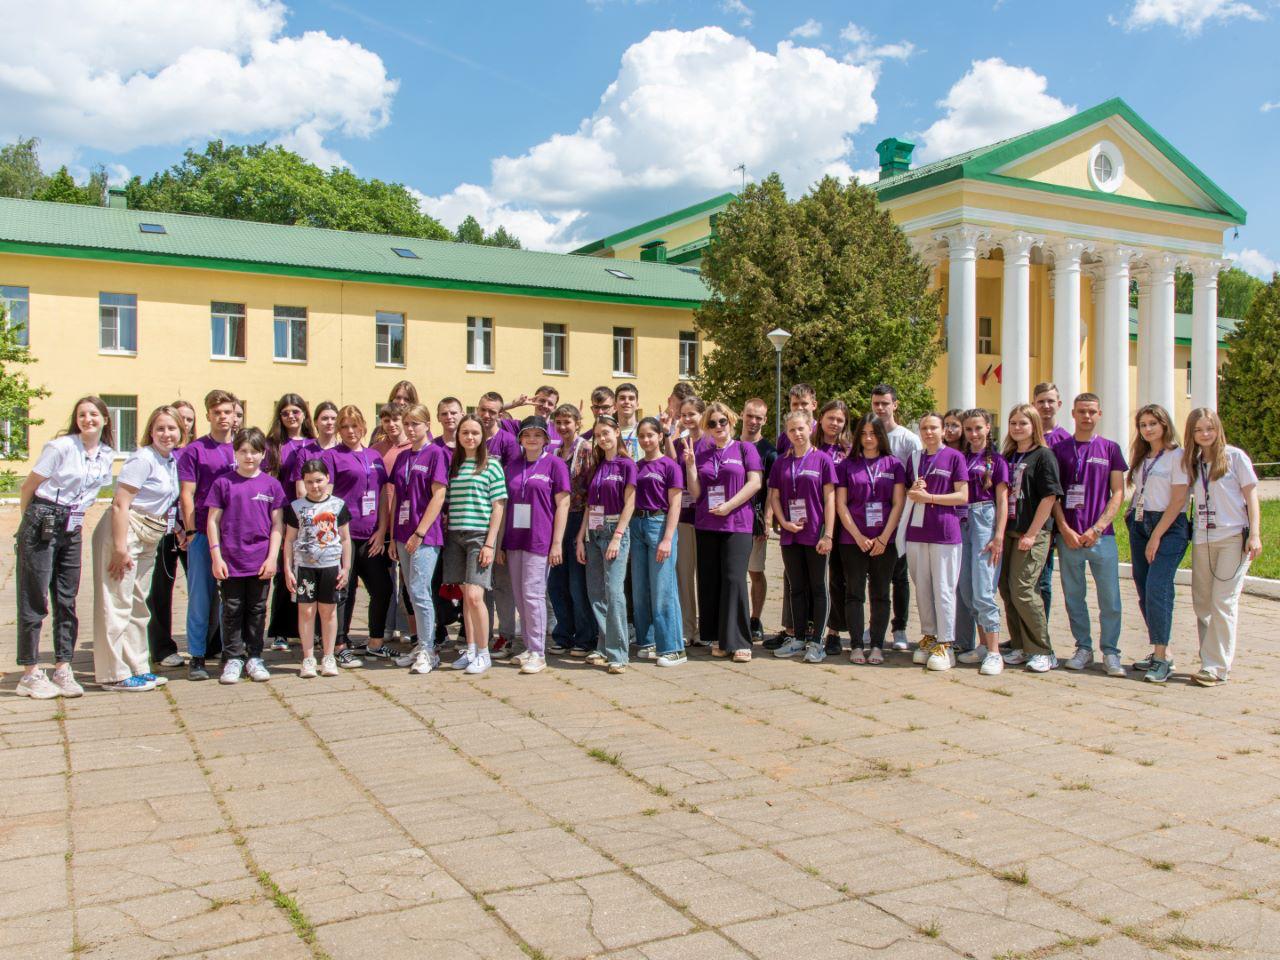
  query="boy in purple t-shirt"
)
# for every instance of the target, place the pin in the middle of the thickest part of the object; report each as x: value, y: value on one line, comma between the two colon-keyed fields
x: 1092, y: 471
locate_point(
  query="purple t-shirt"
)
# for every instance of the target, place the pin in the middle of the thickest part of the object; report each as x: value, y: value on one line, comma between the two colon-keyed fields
x: 358, y: 477
x: 1056, y: 436
x: 245, y: 528
x: 941, y: 472
x: 609, y: 483
x: 531, y: 502
x: 869, y: 492
x: 203, y: 461
x: 654, y: 480
x: 722, y: 472
x: 984, y: 476
x: 1085, y: 470
x: 800, y: 482
x: 288, y: 453
x: 413, y: 476
x: 505, y: 447
x: 688, y: 511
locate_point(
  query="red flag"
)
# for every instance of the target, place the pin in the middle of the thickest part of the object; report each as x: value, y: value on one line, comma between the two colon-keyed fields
x: 986, y: 373
x: 1000, y: 374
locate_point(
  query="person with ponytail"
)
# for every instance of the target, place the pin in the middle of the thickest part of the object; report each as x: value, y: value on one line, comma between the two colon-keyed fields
x: 654, y: 549
x: 982, y: 535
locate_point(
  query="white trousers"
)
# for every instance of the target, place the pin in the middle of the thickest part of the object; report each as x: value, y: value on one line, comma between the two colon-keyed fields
x: 1217, y: 577
x: 120, y: 613
x: 935, y: 570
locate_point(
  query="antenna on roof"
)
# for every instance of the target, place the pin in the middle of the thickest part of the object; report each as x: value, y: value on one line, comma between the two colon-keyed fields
x: 742, y: 168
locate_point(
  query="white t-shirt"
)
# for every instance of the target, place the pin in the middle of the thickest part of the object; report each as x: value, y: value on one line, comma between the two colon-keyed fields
x: 1225, y: 498
x: 154, y: 477
x: 903, y: 443
x: 74, y: 479
x: 1163, y: 473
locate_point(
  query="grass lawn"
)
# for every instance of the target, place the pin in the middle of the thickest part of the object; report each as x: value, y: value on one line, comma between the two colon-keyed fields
x: 1267, y: 565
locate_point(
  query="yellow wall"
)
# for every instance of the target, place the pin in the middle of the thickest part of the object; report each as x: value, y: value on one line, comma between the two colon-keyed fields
x: 674, y: 236
x: 174, y: 340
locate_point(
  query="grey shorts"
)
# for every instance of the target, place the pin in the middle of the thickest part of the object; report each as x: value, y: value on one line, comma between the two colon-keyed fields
x: 462, y: 559
x: 755, y: 563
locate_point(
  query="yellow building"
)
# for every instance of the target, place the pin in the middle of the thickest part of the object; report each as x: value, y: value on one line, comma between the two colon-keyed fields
x: 1034, y: 242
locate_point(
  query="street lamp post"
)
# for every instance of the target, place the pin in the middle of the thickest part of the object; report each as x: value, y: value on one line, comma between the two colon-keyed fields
x: 778, y: 337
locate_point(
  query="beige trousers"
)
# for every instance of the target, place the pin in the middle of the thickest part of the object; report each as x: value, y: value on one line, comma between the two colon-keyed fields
x: 120, y: 613
x: 686, y: 574
x: 1217, y: 577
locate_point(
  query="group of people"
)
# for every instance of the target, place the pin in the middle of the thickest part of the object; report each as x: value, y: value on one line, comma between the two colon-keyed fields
x: 639, y: 531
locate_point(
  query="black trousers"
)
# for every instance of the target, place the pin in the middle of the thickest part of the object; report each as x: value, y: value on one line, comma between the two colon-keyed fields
x: 723, y: 599
x: 859, y: 569
x: 836, y: 618
x: 48, y: 570
x: 244, y: 614
x: 807, y: 582
x: 284, y: 609
x: 901, y: 593
x: 375, y: 574
x: 160, y: 598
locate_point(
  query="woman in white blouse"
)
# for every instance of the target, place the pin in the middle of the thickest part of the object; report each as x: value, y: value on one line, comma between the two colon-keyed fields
x: 62, y: 485
x: 124, y: 551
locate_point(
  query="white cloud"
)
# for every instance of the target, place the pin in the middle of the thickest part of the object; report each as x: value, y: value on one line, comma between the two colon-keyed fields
x: 119, y: 76
x: 536, y: 230
x: 1255, y: 262
x: 1190, y: 16
x: 1270, y: 105
x: 740, y: 10
x: 808, y: 30
x: 864, y: 48
x: 684, y: 110
x: 992, y: 101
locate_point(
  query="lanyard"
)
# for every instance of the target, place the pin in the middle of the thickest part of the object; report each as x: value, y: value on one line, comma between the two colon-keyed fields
x: 716, y: 454
x: 1082, y: 461
x: 797, y: 465
x: 1147, y: 467
x: 925, y: 464
x: 873, y: 476
x: 523, y: 472
x: 1204, y: 480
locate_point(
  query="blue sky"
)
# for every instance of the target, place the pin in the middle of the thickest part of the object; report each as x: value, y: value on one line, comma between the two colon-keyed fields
x: 432, y: 94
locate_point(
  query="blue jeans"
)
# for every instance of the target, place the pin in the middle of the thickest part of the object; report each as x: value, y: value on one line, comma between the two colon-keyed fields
x: 654, y: 588
x: 1154, y: 581
x: 202, y: 595
x: 567, y: 587
x: 417, y: 569
x: 1103, y: 562
x: 606, y: 583
x: 976, y: 592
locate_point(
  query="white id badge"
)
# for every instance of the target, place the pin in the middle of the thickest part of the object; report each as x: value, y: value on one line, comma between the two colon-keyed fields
x: 171, y: 520
x: 875, y: 514
x: 368, y: 503
x: 1075, y: 496
x: 686, y: 500
x: 1138, y: 512
x: 796, y: 510
x: 1206, y: 519
x: 715, y: 496
x: 917, y: 514
x: 404, y: 514
x: 75, y: 520
x: 595, y: 518
x: 522, y: 516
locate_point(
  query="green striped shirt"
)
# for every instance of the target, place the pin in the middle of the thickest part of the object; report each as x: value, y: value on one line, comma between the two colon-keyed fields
x: 472, y: 495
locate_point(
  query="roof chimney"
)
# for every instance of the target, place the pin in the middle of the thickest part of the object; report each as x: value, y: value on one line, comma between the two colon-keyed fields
x: 117, y: 199
x: 895, y: 157
x: 655, y: 251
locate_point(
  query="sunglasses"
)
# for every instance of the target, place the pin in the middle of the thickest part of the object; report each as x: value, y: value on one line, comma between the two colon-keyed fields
x: 722, y: 422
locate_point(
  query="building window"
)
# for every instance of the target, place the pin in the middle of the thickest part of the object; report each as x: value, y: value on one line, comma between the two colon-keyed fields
x: 688, y: 354
x: 479, y: 343
x: 554, y: 339
x: 624, y: 351
x: 124, y: 420
x: 389, y: 339
x: 16, y: 303
x: 227, y: 327
x: 291, y: 334
x: 985, y: 340
x: 118, y: 323
x: 15, y: 438
x: 1106, y: 167
x: 1188, y: 379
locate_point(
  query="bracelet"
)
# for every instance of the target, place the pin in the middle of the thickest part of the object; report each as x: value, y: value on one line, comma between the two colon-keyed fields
x: 214, y: 546
x: 189, y: 533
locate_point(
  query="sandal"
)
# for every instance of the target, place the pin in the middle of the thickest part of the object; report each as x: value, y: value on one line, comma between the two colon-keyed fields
x: 857, y: 655
x: 719, y: 652
x: 741, y: 656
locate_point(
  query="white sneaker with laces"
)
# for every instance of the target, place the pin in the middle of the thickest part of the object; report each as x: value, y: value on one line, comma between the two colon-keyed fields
x: 464, y: 659
x: 66, y: 683
x: 1015, y: 658
x: 408, y: 658
x: 923, y: 649
x: 992, y: 665
x: 1113, y: 666
x: 37, y: 686
x: 480, y: 664
x: 793, y: 647
x: 533, y: 663
x: 329, y: 666
x: 308, y: 669
x: 1042, y: 663
x: 423, y: 662
x: 231, y: 671
x: 257, y: 670
x: 172, y: 660
x: 976, y: 655
x: 1080, y: 659
x: 900, y: 641
x: 939, y: 657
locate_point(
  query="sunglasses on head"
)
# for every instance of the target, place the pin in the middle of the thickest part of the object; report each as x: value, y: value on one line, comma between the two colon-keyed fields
x: 722, y: 422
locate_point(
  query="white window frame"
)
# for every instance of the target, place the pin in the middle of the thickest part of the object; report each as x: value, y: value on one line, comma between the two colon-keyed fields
x: 228, y: 318
x: 690, y: 354
x: 1105, y: 148
x: 289, y: 321
x: 989, y: 339
x: 125, y: 443
x: 480, y: 337
x: 113, y: 311
x: 389, y: 321
x: 624, y: 338
x: 8, y: 300
x: 557, y: 338
x: 1189, y: 362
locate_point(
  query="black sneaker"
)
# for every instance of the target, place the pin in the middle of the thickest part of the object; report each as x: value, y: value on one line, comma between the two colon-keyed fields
x: 348, y: 660
x: 383, y: 652
x: 833, y: 645
x: 777, y: 640
x: 196, y: 669
x: 757, y: 630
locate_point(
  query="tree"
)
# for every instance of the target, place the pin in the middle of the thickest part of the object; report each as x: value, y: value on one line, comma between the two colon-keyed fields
x: 16, y: 394
x: 837, y: 273
x: 20, y: 173
x: 274, y: 185
x: 470, y: 231
x: 1249, y: 381
x: 62, y: 188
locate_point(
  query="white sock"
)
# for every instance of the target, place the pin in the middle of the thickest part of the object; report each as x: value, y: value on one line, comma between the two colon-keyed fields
x: 471, y: 651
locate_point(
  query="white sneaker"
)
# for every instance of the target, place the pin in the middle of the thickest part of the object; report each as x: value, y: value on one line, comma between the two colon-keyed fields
x: 1080, y: 659
x: 533, y: 663
x: 791, y: 648
x: 308, y: 669
x: 329, y: 666
x: 1113, y: 666
x: 423, y: 662
x: 464, y: 659
x: 409, y: 658
x: 1042, y: 663
x: 647, y: 653
x: 939, y: 657
x: 976, y: 655
x: 900, y: 641
x: 480, y: 664
x: 673, y: 659
x: 66, y: 683
x: 231, y: 671
x: 37, y: 686
x: 172, y: 660
x: 923, y: 649
x: 257, y: 670
x: 992, y: 665
x: 1015, y: 658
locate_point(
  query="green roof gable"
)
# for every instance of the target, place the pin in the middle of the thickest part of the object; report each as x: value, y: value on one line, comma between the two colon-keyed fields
x: 214, y: 243
x: 1182, y: 328
x: 658, y: 223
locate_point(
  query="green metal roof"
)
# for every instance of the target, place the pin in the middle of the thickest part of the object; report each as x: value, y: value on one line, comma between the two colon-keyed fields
x: 1182, y: 327
x: 658, y: 223
x: 105, y: 233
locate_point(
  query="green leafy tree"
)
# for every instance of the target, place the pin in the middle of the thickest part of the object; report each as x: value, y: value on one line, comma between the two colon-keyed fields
x: 16, y: 394
x: 274, y: 185
x: 470, y: 231
x: 20, y: 173
x: 1236, y: 290
x: 1249, y: 381
x: 62, y: 188
x: 834, y: 270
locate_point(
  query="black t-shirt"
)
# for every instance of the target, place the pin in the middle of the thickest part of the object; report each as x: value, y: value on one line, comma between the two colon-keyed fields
x: 768, y: 453
x: 1032, y: 477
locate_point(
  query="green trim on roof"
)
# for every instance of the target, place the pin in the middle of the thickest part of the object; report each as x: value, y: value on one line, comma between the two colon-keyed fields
x: 1182, y: 328
x: 658, y: 223
x: 692, y: 250
x: 981, y: 164
x: 1110, y: 197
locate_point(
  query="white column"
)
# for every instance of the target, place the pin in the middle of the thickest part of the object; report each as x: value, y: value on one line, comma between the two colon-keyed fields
x: 962, y: 316
x: 1015, y: 322
x: 1143, y: 281
x: 1204, y: 333
x: 1066, y: 318
x: 1159, y: 355
x: 1112, y: 354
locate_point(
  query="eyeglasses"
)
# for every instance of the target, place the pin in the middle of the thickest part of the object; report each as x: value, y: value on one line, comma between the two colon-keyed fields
x: 722, y: 422
x: 600, y: 406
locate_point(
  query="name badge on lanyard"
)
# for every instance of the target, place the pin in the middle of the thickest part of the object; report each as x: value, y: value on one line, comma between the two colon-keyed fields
x: 75, y: 520
x: 369, y: 503
x: 522, y: 515
x: 1075, y: 496
x: 171, y: 520
x: 595, y: 517
x: 404, y: 513
x: 875, y: 514
x: 715, y: 496
x: 797, y: 510
x: 1206, y: 516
